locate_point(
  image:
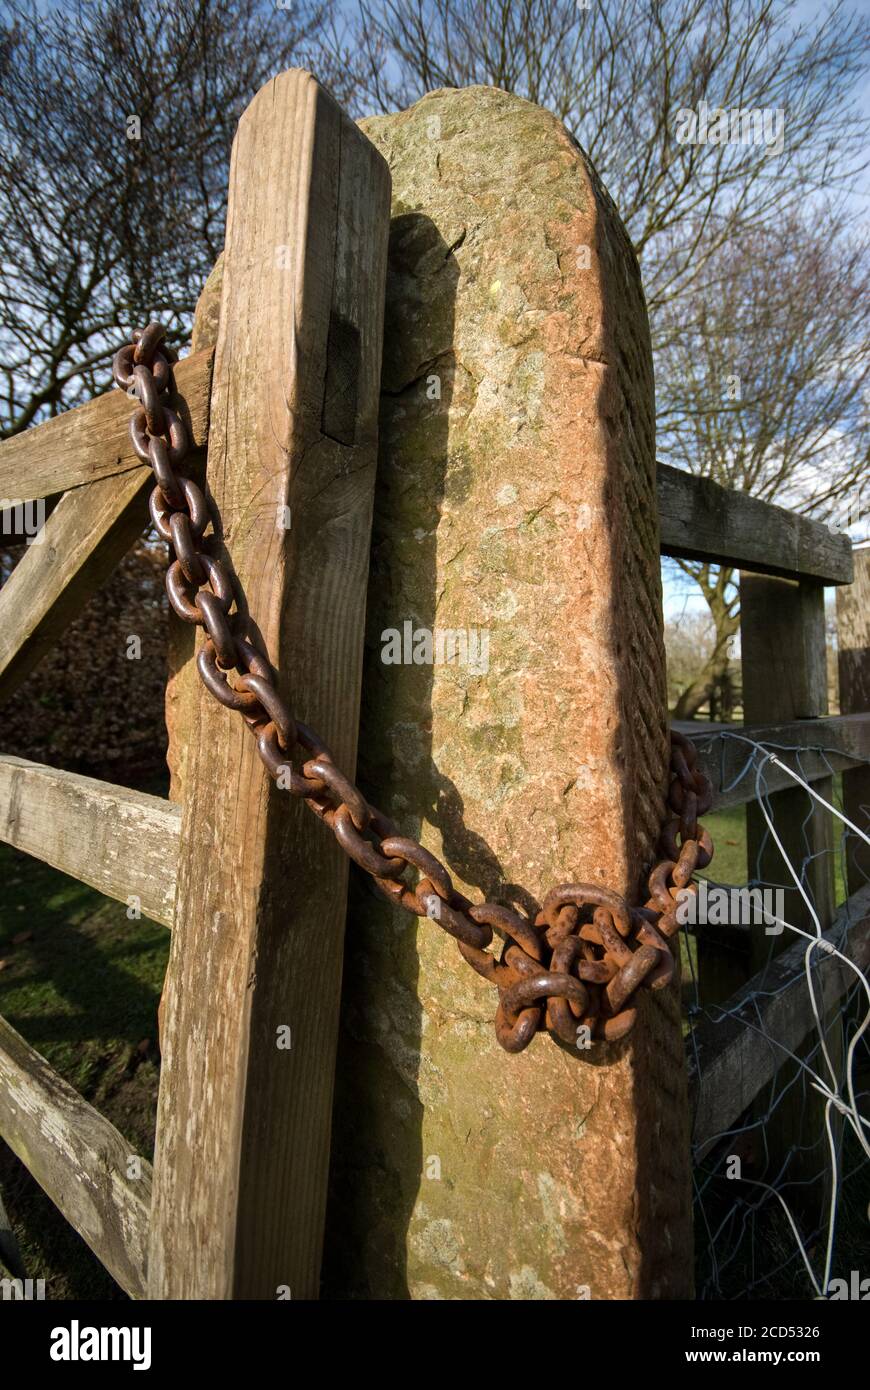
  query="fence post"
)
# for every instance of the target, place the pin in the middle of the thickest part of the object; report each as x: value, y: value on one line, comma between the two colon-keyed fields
x: 182, y: 676
x: 516, y: 509
x: 853, y: 659
x: 782, y: 626
x: 254, y: 972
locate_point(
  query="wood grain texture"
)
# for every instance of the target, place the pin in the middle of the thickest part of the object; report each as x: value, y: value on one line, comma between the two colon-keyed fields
x: 731, y: 1058
x: 243, y: 1127
x: 182, y: 676
x: 702, y: 521
x: 85, y: 536
x: 783, y: 654
x: 93, y: 440
x: 782, y: 633
x: 121, y: 842
x: 843, y: 742
x: 853, y: 662
x: 78, y: 1158
x: 89, y: 531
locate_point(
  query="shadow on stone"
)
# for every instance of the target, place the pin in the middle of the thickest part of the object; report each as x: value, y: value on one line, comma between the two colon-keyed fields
x: 377, y: 1158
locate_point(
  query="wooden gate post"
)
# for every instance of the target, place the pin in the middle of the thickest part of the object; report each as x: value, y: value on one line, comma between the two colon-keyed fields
x: 853, y: 659
x: 515, y: 509
x: 182, y: 684
x: 782, y: 627
x: 254, y: 972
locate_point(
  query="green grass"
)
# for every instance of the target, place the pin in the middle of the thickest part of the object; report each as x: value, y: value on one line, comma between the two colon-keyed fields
x: 728, y: 831
x: 83, y: 989
x: 729, y: 865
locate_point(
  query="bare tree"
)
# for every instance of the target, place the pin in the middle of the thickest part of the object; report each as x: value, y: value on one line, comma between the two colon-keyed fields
x: 764, y: 386
x: 765, y: 389
x: 747, y: 263
x: 690, y: 638
x: 619, y: 73
x: 116, y: 119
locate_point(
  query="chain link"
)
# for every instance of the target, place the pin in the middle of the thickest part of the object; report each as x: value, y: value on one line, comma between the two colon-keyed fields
x: 575, y: 969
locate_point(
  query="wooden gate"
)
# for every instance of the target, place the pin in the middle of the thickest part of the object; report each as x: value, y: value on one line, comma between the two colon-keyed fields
x: 285, y: 402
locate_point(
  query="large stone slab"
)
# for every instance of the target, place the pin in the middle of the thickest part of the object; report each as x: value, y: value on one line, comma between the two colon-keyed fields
x: 516, y: 498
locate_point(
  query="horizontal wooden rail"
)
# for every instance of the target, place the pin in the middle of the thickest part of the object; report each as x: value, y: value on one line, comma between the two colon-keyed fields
x: 79, y: 1159
x: 735, y: 1050
x: 121, y: 842
x: 93, y: 441
x: 124, y: 842
x: 845, y: 740
x: 700, y: 520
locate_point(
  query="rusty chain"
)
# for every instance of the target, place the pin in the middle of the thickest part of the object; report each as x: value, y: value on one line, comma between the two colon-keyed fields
x: 576, y: 968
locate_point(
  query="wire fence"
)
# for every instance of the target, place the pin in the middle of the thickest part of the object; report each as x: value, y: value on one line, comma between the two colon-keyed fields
x: 756, y: 1239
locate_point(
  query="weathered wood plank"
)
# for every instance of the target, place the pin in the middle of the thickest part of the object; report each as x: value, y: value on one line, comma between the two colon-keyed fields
x: 79, y: 1159
x: 782, y: 637
x: 783, y: 656
x: 182, y: 676
x: 92, y: 441
x: 243, y: 1125
x: 853, y: 660
x: 845, y: 741
x: 738, y: 1049
x: 782, y: 627
x: 89, y: 531
x: 123, y: 843
x: 702, y: 521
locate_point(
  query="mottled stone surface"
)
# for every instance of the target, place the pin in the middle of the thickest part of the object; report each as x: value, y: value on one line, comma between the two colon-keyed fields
x: 515, y: 496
